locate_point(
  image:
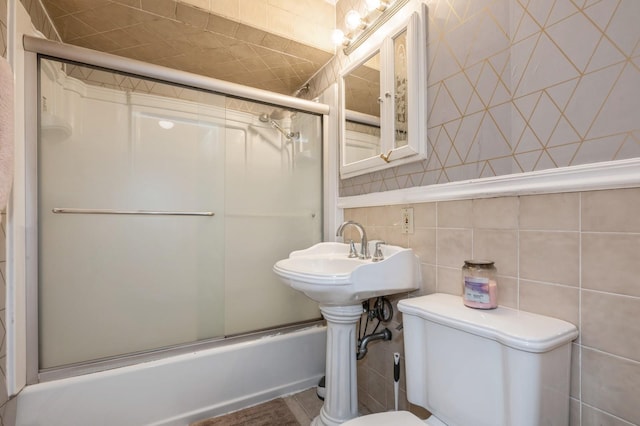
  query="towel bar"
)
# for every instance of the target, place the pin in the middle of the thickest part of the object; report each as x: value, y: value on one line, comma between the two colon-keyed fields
x: 142, y: 212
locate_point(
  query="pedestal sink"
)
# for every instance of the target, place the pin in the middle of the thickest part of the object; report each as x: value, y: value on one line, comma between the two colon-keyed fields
x: 340, y: 284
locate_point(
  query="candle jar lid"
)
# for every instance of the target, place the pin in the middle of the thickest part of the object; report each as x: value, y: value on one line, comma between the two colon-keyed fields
x: 480, y: 263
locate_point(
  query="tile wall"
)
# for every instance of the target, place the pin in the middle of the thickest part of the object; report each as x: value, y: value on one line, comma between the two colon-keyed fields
x: 572, y: 256
x: 195, y: 39
x: 517, y: 86
x: 309, y: 21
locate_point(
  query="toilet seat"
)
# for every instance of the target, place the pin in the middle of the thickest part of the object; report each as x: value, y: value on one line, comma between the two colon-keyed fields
x: 392, y: 418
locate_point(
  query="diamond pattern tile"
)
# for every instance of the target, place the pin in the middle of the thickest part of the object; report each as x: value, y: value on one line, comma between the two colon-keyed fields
x: 523, y: 85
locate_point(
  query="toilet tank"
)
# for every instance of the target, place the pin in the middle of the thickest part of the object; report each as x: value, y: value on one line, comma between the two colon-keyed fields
x: 486, y: 367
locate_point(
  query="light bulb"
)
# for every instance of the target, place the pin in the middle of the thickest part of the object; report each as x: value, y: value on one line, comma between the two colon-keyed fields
x: 337, y: 36
x: 377, y: 4
x: 353, y: 20
x: 165, y: 124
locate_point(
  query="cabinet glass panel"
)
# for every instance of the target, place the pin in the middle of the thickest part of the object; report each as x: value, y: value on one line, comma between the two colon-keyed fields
x: 400, y: 89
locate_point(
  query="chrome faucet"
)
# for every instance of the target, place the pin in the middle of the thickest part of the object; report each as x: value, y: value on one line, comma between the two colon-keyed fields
x: 364, y: 244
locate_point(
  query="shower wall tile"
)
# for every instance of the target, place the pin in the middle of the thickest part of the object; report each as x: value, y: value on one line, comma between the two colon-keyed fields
x: 519, y: 86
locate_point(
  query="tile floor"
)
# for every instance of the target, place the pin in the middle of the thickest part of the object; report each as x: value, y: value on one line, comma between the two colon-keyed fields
x: 306, y: 405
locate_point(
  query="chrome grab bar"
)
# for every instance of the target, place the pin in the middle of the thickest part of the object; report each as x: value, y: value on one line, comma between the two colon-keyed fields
x: 141, y: 212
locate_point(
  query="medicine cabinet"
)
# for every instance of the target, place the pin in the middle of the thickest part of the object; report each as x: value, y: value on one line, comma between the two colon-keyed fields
x: 383, y: 95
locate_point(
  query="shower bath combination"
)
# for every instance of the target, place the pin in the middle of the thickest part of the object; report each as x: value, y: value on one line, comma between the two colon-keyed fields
x: 268, y: 118
x: 164, y: 296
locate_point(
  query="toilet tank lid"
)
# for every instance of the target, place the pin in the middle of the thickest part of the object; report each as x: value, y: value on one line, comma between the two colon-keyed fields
x: 518, y: 329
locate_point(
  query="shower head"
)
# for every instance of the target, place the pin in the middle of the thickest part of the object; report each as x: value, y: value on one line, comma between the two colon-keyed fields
x: 266, y: 118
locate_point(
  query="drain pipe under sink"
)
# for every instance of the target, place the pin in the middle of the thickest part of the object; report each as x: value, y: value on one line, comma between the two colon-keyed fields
x: 362, y: 348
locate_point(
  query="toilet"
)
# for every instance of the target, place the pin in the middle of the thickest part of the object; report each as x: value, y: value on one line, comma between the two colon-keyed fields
x: 470, y: 367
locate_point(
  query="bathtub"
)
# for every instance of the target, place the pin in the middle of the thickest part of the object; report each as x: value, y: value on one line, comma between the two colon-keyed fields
x: 181, y: 389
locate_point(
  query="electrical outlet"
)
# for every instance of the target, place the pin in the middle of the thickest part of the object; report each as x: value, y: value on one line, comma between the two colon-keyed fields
x: 407, y: 220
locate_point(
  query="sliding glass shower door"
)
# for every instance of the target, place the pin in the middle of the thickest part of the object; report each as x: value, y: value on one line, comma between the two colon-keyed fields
x: 160, y: 213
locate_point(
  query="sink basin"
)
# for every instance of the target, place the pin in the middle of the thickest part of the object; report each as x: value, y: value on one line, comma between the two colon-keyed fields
x: 326, y: 274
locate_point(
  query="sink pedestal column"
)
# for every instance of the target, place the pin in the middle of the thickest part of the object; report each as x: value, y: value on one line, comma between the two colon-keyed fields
x: 341, y: 386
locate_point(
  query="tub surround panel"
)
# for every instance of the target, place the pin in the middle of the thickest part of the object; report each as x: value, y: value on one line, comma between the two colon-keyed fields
x: 561, y: 256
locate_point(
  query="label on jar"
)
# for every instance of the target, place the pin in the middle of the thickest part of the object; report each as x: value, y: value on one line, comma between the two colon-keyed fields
x: 476, y: 289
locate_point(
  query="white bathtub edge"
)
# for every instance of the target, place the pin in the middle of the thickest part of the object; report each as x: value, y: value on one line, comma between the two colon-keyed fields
x: 181, y: 389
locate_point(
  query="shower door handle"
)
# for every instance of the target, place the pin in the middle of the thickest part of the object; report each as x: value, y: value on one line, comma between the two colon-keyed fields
x: 135, y: 212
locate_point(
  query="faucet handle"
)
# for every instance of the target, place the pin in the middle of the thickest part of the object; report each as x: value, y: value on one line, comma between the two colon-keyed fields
x: 352, y: 250
x: 377, y: 254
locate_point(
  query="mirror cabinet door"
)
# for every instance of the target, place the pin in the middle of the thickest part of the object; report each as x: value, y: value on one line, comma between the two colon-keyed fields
x: 383, y: 96
x: 362, y: 111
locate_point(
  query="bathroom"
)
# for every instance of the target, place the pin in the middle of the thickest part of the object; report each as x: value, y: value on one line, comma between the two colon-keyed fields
x: 555, y: 86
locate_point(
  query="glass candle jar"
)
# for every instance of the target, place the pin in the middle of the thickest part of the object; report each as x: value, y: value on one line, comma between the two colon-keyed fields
x: 479, y: 285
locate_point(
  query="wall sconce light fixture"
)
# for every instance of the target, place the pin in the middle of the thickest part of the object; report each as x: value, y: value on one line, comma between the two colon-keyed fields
x: 379, y: 12
x: 380, y: 5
